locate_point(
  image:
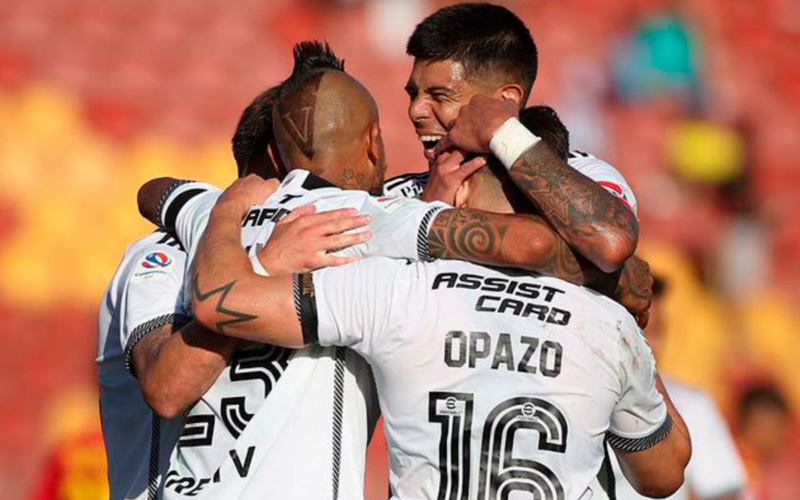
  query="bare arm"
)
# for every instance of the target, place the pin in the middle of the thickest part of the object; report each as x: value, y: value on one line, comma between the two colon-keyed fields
x: 658, y: 471
x: 150, y: 195
x: 591, y: 220
x: 176, y: 367
x: 528, y: 242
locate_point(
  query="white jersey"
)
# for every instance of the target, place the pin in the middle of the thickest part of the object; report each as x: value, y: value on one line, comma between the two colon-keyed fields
x: 283, y: 423
x: 715, y: 469
x: 412, y: 185
x: 490, y: 381
x: 144, y: 295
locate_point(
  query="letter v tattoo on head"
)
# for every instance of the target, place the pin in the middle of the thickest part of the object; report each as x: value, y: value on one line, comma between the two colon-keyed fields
x: 222, y: 291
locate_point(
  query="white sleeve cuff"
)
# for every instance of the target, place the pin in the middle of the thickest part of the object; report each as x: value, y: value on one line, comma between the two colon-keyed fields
x: 510, y: 141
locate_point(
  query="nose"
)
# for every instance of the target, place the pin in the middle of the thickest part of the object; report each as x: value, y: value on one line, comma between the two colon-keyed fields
x: 418, y: 110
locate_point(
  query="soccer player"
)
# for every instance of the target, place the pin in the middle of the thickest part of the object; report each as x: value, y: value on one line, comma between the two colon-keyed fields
x: 490, y: 381
x: 477, y: 49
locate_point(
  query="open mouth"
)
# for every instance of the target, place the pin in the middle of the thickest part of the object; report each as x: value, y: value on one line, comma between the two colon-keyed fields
x: 429, y: 142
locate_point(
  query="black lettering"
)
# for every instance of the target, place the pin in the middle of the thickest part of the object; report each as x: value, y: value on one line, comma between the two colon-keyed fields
x: 503, y: 354
x: 449, y: 280
x: 524, y: 365
x: 280, y: 214
x: 538, y: 310
x: 469, y: 281
x: 494, y: 284
x: 475, y: 352
x: 549, y: 346
x: 482, y: 300
x: 513, y: 304
x: 243, y: 469
x: 252, y: 217
x: 512, y: 286
x: 528, y: 290
x: 449, y: 339
x: 266, y: 214
x: 551, y: 292
x: 559, y: 316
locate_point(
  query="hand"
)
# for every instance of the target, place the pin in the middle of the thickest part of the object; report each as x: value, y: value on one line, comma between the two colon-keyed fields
x: 244, y: 193
x: 635, y: 289
x: 301, y: 240
x: 476, y: 124
x: 447, y: 173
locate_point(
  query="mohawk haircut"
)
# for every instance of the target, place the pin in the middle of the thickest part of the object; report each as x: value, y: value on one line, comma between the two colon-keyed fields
x: 297, y: 96
x: 486, y: 39
x: 545, y: 123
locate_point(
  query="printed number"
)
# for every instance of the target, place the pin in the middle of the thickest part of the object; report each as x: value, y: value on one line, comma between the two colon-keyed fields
x: 501, y: 472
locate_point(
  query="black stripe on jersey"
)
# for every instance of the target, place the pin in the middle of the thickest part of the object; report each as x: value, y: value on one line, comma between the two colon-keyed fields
x: 198, y: 430
x: 423, y: 250
x: 306, y: 306
x: 338, y: 417
x: 578, y: 154
x: 316, y: 182
x: 164, y: 197
x: 606, y: 476
x: 643, y: 443
x: 174, y: 208
x: 154, y: 324
x: 403, y: 178
x: 169, y: 240
x: 155, y: 452
x: 235, y: 416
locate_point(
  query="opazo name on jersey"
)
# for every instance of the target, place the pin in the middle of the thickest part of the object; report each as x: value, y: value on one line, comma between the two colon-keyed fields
x: 517, y: 353
x: 506, y: 305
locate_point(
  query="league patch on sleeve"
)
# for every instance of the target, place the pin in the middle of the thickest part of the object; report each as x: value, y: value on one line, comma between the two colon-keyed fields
x: 153, y: 264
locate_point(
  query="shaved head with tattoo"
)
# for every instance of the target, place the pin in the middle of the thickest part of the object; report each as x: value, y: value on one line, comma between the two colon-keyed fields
x: 326, y: 122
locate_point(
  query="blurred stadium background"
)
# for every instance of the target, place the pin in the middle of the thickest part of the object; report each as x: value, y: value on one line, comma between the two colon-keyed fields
x: 697, y: 102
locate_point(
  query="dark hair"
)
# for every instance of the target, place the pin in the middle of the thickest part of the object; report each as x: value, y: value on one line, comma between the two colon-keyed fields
x: 310, y: 58
x: 763, y: 395
x: 254, y: 133
x: 486, y: 39
x: 544, y: 122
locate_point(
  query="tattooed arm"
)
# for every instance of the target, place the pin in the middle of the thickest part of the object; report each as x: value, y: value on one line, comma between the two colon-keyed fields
x: 591, y: 220
x: 528, y: 242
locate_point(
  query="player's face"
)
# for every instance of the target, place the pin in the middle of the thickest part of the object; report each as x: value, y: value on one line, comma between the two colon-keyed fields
x: 437, y: 90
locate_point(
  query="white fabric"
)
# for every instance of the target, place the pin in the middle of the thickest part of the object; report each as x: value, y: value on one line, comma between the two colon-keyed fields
x: 510, y: 141
x: 715, y: 468
x: 145, y: 286
x: 441, y: 351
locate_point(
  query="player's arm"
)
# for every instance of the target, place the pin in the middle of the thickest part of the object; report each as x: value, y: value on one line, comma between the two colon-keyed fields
x: 174, y: 359
x: 658, y: 471
x: 176, y: 365
x: 228, y: 296
x: 592, y: 221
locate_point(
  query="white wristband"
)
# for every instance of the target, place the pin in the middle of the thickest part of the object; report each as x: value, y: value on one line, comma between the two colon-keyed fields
x: 258, y: 268
x: 510, y: 141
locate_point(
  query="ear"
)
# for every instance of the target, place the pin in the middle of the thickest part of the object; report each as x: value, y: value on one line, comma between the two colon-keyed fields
x: 463, y: 192
x: 374, y: 143
x: 511, y: 92
x: 275, y: 156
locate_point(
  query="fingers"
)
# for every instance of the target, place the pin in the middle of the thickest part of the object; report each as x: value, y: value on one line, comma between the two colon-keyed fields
x: 297, y: 213
x: 470, y: 167
x: 443, y: 145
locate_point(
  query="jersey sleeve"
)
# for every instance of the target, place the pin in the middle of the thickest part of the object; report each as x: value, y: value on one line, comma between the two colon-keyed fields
x: 349, y: 306
x: 639, y: 419
x: 184, y: 211
x: 400, y: 227
x: 715, y: 469
x: 153, y: 296
x: 606, y: 175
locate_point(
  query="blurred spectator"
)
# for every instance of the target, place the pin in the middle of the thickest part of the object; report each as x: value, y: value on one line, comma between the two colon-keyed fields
x: 715, y: 470
x: 769, y: 443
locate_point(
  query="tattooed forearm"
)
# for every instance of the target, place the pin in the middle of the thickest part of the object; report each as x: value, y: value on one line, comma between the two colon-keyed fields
x: 589, y: 218
x: 523, y: 241
x: 228, y: 316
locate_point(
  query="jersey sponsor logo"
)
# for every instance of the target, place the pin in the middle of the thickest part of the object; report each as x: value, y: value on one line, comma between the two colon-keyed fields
x: 156, y: 260
x: 257, y: 217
